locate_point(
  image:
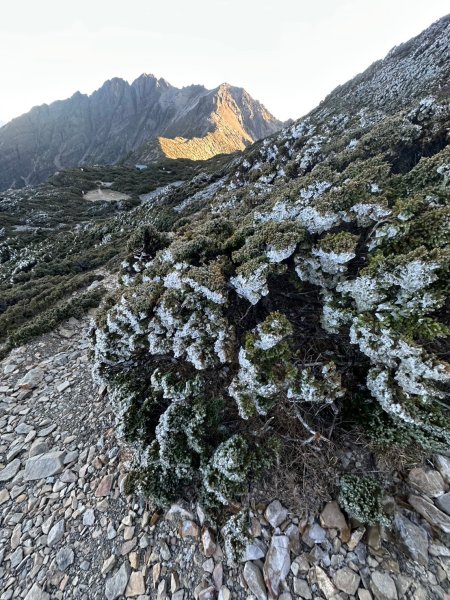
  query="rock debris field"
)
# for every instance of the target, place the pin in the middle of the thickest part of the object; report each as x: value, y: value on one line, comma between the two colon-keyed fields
x: 68, y: 530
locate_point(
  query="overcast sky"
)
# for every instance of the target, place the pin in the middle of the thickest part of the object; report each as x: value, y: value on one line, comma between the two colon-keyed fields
x: 287, y: 53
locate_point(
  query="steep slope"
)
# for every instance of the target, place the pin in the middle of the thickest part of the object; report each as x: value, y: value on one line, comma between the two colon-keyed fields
x: 120, y: 118
x: 305, y: 292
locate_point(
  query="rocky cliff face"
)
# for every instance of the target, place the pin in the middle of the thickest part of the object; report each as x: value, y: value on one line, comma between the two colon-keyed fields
x: 149, y: 118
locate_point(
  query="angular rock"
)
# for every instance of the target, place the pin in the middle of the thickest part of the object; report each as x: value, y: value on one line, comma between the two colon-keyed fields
x: 346, y: 581
x: 430, y: 513
x: 189, y: 529
x: 56, y: 533
x: 37, y: 593
x: 254, y: 579
x: 63, y: 386
x: 314, y: 535
x: 443, y: 502
x: 255, y: 550
x: 39, y: 446
x: 428, y: 482
x: 108, y: 565
x: 10, y: 470
x: 23, y: 429
x: 277, y: 563
x: 333, y: 518
x: 276, y: 513
x: 207, y: 594
x: 413, y: 539
x: 302, y: 589
x: 44, y: 465
x: 64, y: 558
x: 224, y: 593
x: 383, y: 586
x: 104, y: 487
x: 116, y: 585
x: 443, y: 466
x: 136, y: 585
x: 355, y: 538
x: 89, y: 517
x: 208, y: 542
x: 31, y: 379
x: 325, y: 584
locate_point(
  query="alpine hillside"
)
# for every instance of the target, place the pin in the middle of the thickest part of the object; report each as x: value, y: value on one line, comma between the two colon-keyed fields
x: 270, y: 325
x: 149, y: 118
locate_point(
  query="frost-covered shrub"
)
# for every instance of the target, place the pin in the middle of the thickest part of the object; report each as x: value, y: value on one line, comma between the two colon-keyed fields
x: 318, y: 273
x: 361, y: 498
x: 264, y: 367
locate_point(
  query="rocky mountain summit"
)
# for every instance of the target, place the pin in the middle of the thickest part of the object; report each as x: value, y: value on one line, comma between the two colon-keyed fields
x: 270, y: 361
x: 146, y: 120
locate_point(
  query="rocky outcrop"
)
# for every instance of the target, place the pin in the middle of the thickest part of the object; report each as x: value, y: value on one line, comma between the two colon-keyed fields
x: 149, y: 118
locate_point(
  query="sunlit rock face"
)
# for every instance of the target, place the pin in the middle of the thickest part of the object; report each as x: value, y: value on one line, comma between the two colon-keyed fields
x: 143, y: 121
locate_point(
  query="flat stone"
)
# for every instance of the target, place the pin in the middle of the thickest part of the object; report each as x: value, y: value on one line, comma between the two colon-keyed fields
x: 364, y: 594
x: 104, y: 487
x: 64, y: 558
x: 430, y: 513
x: 314, y: 535
x: 333, y: 518
x: 46, y: 431
x: 31, y: 379
x: 89, y: 517
x: 383, y: 586
x: 39, y: 446
x: 443, y: 502
x: 207, y: 594
x: 254, y: 579
x: 276, y: 513
x: 302, y: 589
x: 136, y: 585
x: 355, y: 538
x: 189, y: 529
x: 346, y: 581
x: 208, y: 542
x: 16, y: 557
x: 325, y: 584
x: 37, y: 593
x: 255, y: 550
x: 443, y: 466
x: 10, y: 470
x: 108, y: 565
x: 413, y: 539
x: 44, y: 465
x: 428, y: 482
x: 116, y: 585
x: 23, y: 429
x: 4, y: 496
x: 56, y: 533
x: 277, y: 563
x: 224, y: 593
x: 63, y: 386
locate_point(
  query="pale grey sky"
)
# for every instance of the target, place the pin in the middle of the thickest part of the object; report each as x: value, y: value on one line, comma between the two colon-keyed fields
x: 287, y: 53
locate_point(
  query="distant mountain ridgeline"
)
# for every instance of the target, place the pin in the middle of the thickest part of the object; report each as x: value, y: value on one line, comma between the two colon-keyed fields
x: 145, y: 121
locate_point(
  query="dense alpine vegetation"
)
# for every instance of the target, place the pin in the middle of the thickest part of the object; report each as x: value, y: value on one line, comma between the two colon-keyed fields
x: 312, y: 283
x: 281, y: 294
x: 143, y: 122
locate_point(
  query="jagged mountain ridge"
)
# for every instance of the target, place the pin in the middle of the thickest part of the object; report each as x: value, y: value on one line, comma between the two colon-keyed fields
x: 149, y: 118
